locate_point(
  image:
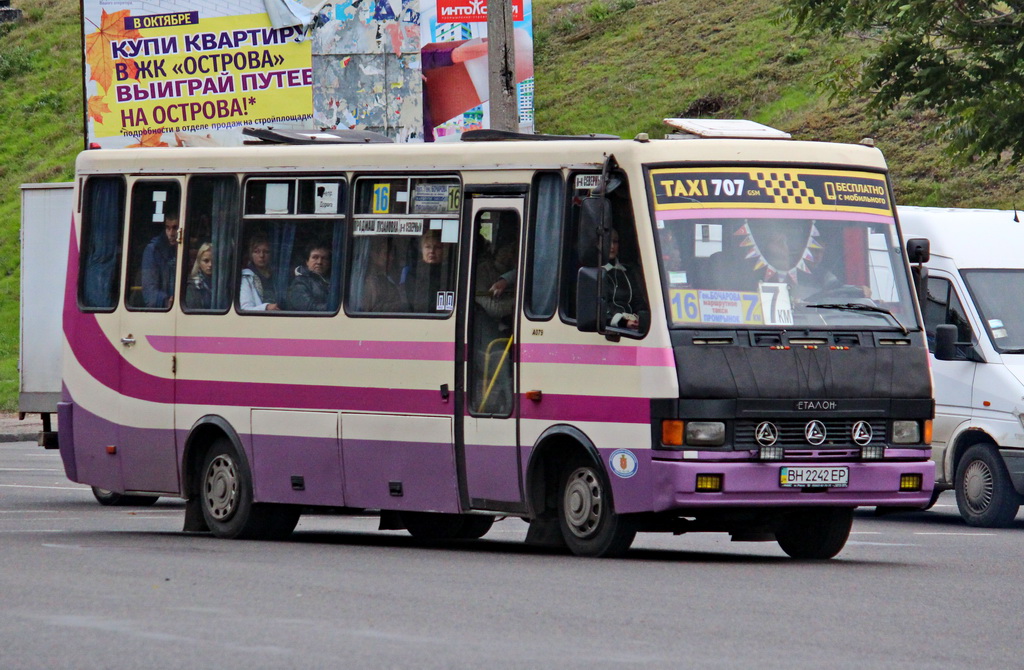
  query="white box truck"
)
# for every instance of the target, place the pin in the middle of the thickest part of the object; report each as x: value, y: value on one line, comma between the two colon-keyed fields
x: 974, y: 315
x: 45, y: 234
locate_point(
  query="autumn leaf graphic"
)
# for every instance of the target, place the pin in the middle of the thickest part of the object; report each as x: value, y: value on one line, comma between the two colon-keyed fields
x: 97, y: 108
x: 149, y: 140
x: 97, y: 45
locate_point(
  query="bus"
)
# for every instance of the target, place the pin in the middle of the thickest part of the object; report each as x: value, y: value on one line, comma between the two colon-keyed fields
x: 711, y: 332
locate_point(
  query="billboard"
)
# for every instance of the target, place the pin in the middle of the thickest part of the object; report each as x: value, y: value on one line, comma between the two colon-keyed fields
x: 194, y: 72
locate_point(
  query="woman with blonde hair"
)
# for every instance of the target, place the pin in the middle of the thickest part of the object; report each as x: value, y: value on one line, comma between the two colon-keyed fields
x: 199, y: 291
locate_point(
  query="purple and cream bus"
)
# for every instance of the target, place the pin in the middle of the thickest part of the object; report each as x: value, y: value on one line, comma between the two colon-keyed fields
x: 712, y: 332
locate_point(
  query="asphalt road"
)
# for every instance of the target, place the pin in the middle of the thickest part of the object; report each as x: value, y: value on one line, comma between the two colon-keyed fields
x: 82, y: 586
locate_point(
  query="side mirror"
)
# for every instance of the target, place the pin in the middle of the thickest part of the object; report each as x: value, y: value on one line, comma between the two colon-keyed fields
x: 945, y: 342
x: 589, y: 311
x: 919, y: 250
x: 595, y: 229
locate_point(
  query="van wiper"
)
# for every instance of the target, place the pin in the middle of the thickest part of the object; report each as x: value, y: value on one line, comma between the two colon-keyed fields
x: 860, y: 307
x: 1011, y: 351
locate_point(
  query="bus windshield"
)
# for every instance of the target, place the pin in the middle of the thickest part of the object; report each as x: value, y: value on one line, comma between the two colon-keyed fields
x: 778, y: 264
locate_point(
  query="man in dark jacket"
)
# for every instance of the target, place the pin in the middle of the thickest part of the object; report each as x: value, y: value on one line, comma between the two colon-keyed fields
x: 310, y: 290
x: 159, y: 260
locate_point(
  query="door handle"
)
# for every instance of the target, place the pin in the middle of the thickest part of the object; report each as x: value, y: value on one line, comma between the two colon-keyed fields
x: 128, y: 340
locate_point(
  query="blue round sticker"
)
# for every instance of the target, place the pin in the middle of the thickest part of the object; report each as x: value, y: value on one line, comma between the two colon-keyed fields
x: 623, y: 463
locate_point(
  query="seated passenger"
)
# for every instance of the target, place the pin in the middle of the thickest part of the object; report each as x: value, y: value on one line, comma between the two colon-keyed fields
x: 257, y: 292
x: 624, y: 301
x: 423, y: 281
x: 199, y: 290
x: 159, y: 261
x: 381, y: 293
x: 310, y: 289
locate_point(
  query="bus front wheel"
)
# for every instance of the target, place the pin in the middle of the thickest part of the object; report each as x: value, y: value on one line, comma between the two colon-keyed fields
x: 226, y: 497
x: 588, y: 522
x: 817, y: 533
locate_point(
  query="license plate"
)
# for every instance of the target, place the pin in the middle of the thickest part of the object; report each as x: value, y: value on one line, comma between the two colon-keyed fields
x: 801, y: 476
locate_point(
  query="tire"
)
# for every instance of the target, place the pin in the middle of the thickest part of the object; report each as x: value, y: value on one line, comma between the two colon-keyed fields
x: 226, y: 498
x: 112, y: 499
x: 817, y: 533
x: 432, y: 526
x: 586, y: 516
x: 984, y: 492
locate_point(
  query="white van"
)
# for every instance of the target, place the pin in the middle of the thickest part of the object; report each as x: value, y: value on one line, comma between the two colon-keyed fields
x: 974, y: 315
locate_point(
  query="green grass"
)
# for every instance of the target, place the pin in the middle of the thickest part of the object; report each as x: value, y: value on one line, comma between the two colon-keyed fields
x: 610, y: 66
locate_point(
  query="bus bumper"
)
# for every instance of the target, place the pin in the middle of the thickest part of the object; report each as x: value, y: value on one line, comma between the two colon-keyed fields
x: 755, y: 484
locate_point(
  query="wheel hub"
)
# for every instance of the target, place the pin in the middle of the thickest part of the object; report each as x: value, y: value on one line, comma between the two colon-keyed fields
x: 978, y: 486
x: 221, y: 488
x: 583, y: 502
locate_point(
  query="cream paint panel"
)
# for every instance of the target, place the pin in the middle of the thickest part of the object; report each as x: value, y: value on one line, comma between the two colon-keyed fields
x: 369, y: 373
x: 396, y: 428
x: 617, y: 380
x: 292, y: 423
x: 609, y: 435
x: 88, y: 393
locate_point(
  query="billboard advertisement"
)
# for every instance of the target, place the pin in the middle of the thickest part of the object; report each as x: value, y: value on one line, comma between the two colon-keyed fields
x: 194, y: 72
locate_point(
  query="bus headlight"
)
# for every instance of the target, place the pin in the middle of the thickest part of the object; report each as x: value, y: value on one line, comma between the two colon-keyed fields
x: 705, y: 433
x: 906, y: 432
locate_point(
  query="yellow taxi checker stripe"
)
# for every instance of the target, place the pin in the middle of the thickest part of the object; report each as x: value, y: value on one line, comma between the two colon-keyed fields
x: 786, y: 189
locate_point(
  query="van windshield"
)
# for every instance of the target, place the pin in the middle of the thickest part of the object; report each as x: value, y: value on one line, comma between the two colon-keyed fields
x: 771, y: 271
x: 996, y: 295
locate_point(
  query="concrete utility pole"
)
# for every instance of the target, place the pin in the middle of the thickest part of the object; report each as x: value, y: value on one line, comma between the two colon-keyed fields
x: 501, y: 66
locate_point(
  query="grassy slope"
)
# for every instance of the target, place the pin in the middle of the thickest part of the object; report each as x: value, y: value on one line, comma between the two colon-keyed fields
x: 40, y: 102
x: 616, y: 66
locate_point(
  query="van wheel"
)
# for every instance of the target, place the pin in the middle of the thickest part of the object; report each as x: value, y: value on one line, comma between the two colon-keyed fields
x: 984, y: 492
x: 226, y: 498
x: 436, y: 526
x: 816, y: 533
x: 112, y: 499
x: 589, y: 524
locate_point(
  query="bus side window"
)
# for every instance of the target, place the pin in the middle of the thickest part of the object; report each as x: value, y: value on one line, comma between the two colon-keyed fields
x: 102, y: 239
x: 545, y: 245
x: 153, y: 244
x: 210, y: 232
x: 291, y: 245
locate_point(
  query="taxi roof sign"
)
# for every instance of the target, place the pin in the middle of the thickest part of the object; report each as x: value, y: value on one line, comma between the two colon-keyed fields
x: 727, y: 128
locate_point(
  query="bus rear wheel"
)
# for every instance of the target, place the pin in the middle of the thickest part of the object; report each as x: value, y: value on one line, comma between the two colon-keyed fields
x: 436, y: 526
x: 112, y: 499
x: 226, y: 498
x: 818, y: 533
x: 588, y: 522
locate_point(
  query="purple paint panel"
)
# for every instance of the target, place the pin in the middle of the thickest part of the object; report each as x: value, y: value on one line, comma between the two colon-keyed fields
x: 631, y: 474
x: 149, y: 459
x: 93, y: 465
x: 757, y: 485
x: 425, y: 471
x: 492, y: 473
x: 277, y: 460
x: 66, y: 435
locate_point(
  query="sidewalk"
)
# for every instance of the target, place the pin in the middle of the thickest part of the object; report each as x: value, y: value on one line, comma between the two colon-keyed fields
x: 13, y: 430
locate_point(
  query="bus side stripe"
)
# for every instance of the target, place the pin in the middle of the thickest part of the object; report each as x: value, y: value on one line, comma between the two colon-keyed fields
x: 597, y: 354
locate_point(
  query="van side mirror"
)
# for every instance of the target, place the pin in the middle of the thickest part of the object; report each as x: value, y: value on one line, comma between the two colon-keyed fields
x: 919, y: 250
x: 589, y: 311
x: 595, y: 229
x: 945, y: 342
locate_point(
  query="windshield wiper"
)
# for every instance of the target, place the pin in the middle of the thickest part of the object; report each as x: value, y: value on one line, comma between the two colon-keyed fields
x: 1011, y: 351
x: 860, y: 307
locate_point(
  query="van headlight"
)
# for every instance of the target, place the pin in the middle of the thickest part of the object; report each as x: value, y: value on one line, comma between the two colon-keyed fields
x: 906, y: 432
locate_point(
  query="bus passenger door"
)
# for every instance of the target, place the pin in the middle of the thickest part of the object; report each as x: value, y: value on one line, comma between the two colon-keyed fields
x: 147, y: 439
x: 487, y: 444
